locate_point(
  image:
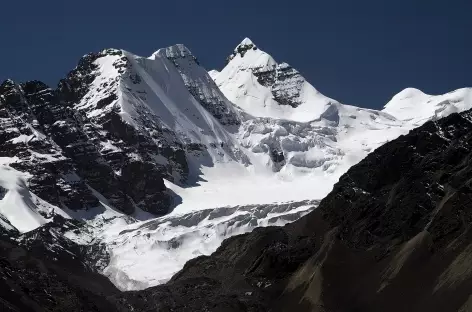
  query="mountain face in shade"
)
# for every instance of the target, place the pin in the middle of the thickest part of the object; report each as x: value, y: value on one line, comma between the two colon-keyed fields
x: 132, y: 166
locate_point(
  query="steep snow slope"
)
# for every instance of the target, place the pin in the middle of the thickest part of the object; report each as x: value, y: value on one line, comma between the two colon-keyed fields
x: 17, y: 204
x: 200, y: 84
x: 213, y: 73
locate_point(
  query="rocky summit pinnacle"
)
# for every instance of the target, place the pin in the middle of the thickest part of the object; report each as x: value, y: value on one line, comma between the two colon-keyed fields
x: 246, y: 41
x: 242, y: 48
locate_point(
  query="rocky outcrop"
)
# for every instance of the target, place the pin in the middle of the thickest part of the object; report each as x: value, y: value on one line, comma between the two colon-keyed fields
x: 23, y: 129
x: 45, y: 276
x: 241, y: 49
x: 284, y: 81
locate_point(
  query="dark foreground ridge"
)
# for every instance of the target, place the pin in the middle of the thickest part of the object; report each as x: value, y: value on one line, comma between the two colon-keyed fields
x: 393, y: 235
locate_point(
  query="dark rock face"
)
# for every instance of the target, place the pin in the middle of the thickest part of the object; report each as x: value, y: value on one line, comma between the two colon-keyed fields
x: 128, y: 145
x: 117, y: 141
x: 145, y: 183
x: 6, y: 229
x: 22, y: 133
x: 115, y: 145
x: 393, y: 235
x: 284, y: 81
x: 49, y: 242
x: 278, y: 159
x: 66, y: 152
x: 41, y: 276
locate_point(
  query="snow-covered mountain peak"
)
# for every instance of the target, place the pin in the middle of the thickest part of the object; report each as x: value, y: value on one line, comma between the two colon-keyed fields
x: 243, y: 47
x: 254, y: 81
x: 247, y: 55
x: 8, y: 82
x: 416, y: 107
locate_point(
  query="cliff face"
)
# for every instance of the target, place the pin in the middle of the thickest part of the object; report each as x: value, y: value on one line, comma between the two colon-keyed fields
x: 27, y: 116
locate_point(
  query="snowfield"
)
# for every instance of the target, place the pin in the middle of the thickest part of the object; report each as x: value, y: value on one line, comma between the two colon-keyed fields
x: 270, y: 146
x: 19, y: 208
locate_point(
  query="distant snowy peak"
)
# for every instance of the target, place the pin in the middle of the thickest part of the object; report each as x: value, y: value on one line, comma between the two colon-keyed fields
x: 254, y: 81
x: 414, y: 106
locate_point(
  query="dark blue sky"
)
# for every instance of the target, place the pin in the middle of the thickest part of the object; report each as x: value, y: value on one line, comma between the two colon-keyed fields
x: 358, y: 52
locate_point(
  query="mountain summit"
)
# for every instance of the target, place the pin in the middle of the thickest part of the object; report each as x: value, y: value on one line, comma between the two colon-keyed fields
x: 254, y: 81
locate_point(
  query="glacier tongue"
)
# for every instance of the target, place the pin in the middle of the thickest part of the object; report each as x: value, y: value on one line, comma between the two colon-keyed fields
x: 148, y: 253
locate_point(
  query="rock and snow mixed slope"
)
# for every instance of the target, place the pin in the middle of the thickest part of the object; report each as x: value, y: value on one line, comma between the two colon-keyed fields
x: 254, y: 81
x: 125, y: 138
